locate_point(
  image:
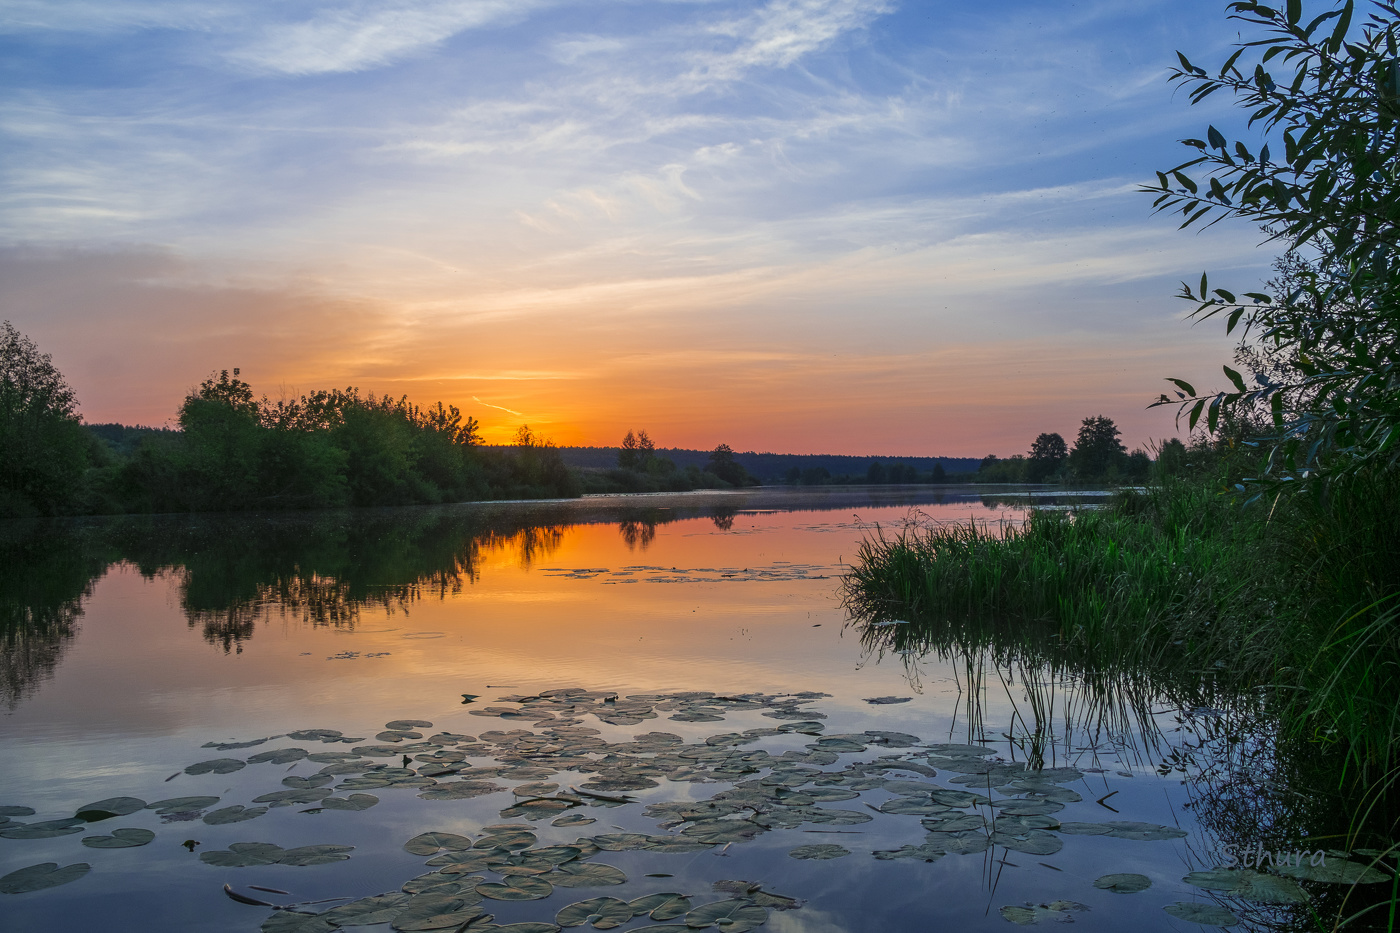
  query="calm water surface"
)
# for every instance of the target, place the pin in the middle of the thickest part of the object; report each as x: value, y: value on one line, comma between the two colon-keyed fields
x: 175, y: 637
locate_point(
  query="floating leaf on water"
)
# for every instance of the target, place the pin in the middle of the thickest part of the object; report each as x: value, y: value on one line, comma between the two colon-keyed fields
x: 603, y: 913
x: 661, y: 928
x: 1057, y: 911
x: 1030, y: 808
x: 460, y: 790
x: 304, y: 783
x: 947, y: 750
x: 1085, y: 829
x: 923, y: 853
x: 41, y: 876
x: 315, y: 855
x: 381, y: 908
x: 535, y: 789
x: 1335, y: 871
x: 529, y: 926
x: 573, y: 819
x: 1035, y: 842
x: 294, y: 921
x: 316, y: 735
x: 887, y: 701
x: 821, y: 851
x: 128, y: 838
x: 665, y: 906
x: 1249, y: 885
x: 957, y: 823
x: 910, y: 788
x: 444, y: 884
x: 353, y: 802
x: 1210, y: 915
x: 912, y: 806
x: 433, y: 843
x: 243, y: 854
x: 511, y: 838
x: 587, y: 875
x: 181, y: 804
x: 517, y: 888
x: 430, y: 912
x: 234, y: 814
x: 16, y: 811
x: 278, y: 756
x: 110, y: 807
x: 400, y: 725
x: 216, y: 766
x: 45, y: 829
x: 1123, y: 883
x: 620, y: 842
x: 735, y: 915
x: 1147, y: 832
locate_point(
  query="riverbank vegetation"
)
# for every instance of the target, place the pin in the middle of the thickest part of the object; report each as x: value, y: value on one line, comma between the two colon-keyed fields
x: 232, y: 451
x: 1263, y: 557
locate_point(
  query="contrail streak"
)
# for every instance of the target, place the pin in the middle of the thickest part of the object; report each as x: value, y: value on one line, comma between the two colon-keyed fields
x: 497, y: 407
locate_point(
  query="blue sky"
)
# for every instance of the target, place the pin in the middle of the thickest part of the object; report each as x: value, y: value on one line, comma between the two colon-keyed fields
x: 856, y: 226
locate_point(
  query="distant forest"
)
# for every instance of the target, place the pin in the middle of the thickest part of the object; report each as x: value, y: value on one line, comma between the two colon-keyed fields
x: 772, y: 469
x: 229, y: 450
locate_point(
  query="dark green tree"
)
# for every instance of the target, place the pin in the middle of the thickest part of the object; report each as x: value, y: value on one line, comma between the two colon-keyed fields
x: 1048, y: 454
x: 1097, y: 451
x: 723, y: 465
x: 628, y: 457
x: 43, y: 448
x: 1325, y: 95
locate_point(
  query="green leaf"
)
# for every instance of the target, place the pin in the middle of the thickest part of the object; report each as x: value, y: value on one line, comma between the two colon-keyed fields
x: 1235, y: 378
x: 41, y: 876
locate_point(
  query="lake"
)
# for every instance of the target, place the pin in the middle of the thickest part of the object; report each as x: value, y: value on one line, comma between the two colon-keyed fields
x: 507, y: 709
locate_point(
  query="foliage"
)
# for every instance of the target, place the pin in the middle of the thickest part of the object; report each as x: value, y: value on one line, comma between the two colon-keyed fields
x: 1048, y: 454
x: 1097, y: 449
x: 1332, y: 200
x: 723, y: 465
x: 638, y: 452
x: 43, y: 449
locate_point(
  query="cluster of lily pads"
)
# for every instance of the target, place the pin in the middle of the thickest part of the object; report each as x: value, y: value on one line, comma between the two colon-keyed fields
x: 983, y: 803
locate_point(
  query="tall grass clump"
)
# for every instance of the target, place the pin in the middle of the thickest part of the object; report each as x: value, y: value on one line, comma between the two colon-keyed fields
x: 1166, y: 574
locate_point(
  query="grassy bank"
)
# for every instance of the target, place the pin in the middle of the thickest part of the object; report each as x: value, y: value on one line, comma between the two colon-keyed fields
x: 1295, y: 600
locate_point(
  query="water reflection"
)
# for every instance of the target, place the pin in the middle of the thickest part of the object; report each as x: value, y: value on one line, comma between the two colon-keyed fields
x: 327, y: 569
x: 1100, y: 707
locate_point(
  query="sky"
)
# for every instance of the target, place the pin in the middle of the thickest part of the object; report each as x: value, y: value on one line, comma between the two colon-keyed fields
x: 800, y: 226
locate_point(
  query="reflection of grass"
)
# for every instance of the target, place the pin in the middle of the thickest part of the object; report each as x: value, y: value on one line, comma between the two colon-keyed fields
x: 1294, y: 603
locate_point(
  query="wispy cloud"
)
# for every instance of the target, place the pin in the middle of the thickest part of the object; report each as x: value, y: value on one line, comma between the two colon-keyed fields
x: 365, y: 35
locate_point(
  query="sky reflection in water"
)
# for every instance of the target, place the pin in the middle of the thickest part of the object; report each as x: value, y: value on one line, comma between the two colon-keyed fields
x: 201, y: 632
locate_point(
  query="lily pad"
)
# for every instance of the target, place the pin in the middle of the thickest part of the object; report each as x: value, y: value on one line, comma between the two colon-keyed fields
x: 573, y: 819
x: 821, y: 852
x: 1057, y: 911
x: 736, y: 915
x: 243, y: 855
x: 603, y: 913
x: 45, y: 829
x: 295, y: 921
x: 16, y: 811
x: 1035, y: 842
x: 587, y: 875
x: 429, y: 912
x: 380, y: 908
x: 923, y: 853
x: 517, y: 888
x: 112, y: 806
x: 665, y: 906
x: 1123, y: 883
x: 128, y: 838
x: 1210, y: 915
x: 234, y: 814
x: 353, y: 802
x: 1334, y: 871
x: 181, y: 804
x: 1147, y: 832
x: 433, y: 843
x: 315, y: 855
x: 41, y: 876
x: 1249, y: 885
x: 400, y: 725
x: 529, y: 926
x: 216, y: 766
x: 278, y: 756
x: 886, y: 701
